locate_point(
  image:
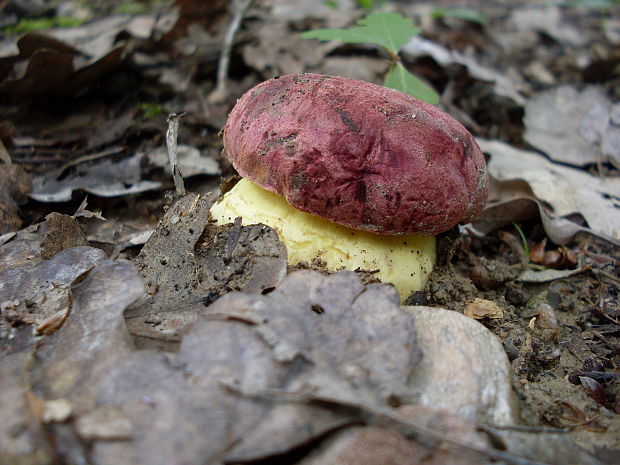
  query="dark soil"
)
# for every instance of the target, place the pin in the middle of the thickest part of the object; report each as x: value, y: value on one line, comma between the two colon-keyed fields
x: 562, y: 337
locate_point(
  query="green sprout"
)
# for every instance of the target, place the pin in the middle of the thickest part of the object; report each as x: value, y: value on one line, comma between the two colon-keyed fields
x: 39, y: 24
x: 465, y: 14
x: 131, y: 8
x: 526, y: 248
x: 367, y: 5
x: 151, y: 110
x: 391, y: 31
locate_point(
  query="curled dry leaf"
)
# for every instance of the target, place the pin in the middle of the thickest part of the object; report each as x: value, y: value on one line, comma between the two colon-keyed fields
x: 560, y: 191
x: 593, y: 388
x: 562, y: 257
x: 113, y: 178
x: 509, y: 86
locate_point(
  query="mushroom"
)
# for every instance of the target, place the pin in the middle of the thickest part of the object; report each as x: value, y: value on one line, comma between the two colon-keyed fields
x: 352, y: 174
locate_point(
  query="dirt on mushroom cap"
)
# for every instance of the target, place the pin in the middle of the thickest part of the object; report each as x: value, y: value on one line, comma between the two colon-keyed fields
x: 357, y: 154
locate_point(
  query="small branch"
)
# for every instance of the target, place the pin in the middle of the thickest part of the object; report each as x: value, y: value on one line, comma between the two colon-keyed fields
x: 221, y: 89
x: 172, y: 135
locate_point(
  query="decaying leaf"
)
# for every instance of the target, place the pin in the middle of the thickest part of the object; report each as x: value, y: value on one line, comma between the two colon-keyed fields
x: 179, y: 407
x: 65, y: 59
x: 507, y: 86
x: 15, y: 185
x: 187, y: 262
x: 23, y: 438
x: 191, y: 161
x: 372, y: 445
x: 315, y: 338
x: 110, y: 178
x: 547, y: 19
x: 567, y: 191
x: 40, y: 290
x: 106, y: 179
x: 575, y: 127
x: 267, y: 56
x: 63, y: 232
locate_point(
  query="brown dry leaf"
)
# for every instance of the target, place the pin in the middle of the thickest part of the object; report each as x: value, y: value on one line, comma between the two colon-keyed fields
x: 361, y: 346
x: 269, y: 57
x: 15, y: 185
x: 561, y: 257
x: 23, y: 247
x: 359, y: 332
x: 186, y: 261
x: 575, y: 127
x: 40, y: 290
x: 373, y: 445
x: 505, y: 84
x: 567, y: 191
x: 113, y: 178
x: 87, y: 128
x: 509, y: 202
x: 352, y: 344
x: 107, y: 178
x: 63, y: 60
x: 94, y: 331
x: 23, y: 439
x: 63, y: 232
x: 179, y: 408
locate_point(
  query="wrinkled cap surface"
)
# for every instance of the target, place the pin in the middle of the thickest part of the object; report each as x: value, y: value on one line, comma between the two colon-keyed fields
x: 357, y: 154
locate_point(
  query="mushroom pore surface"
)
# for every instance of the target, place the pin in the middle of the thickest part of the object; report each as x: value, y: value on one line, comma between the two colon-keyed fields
x: 358, y: 154
x: 405, y: 260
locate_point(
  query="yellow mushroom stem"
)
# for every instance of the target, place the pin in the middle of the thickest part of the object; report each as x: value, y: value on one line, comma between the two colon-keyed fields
x: 404, y: 261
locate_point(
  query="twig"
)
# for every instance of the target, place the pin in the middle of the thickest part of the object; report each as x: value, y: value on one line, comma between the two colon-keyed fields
x: 524, y: 428
x: 373, y: 410
x: 221, y: 88
x: 92, y: 156
x: 171, y: 141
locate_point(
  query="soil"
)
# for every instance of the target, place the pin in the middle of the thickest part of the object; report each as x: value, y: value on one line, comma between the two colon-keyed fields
x: 560, y: 336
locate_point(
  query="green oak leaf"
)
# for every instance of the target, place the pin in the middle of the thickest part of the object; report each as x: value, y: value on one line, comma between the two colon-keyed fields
x: 400, y: 79
x: 390, y: 30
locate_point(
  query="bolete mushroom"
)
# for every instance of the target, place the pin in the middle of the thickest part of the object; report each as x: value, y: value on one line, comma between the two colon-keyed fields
x: 353, y: 174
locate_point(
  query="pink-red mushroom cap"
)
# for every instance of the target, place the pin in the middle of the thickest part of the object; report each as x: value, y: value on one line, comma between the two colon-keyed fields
x: 358, y: 154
